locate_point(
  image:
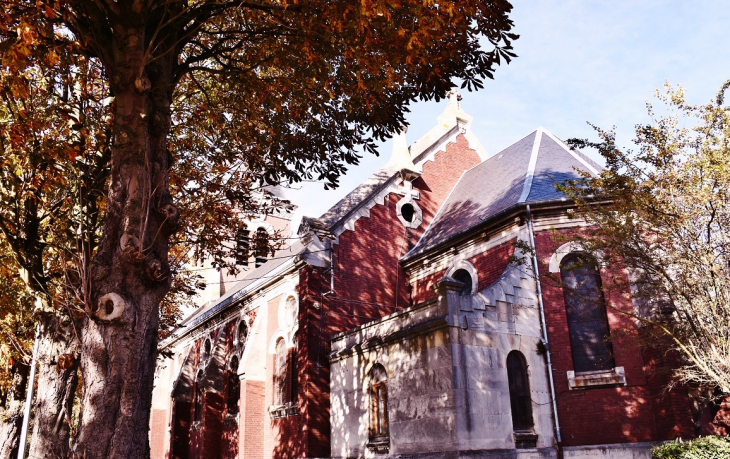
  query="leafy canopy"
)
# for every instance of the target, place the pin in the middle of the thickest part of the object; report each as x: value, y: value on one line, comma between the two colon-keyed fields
x: 663, y: 212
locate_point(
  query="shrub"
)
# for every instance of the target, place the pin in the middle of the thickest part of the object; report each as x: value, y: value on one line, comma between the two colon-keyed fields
x: 710, y: 447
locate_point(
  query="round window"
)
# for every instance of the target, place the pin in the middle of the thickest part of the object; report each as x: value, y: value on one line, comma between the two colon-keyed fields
x: 408, y: 212
x: 290, y: 311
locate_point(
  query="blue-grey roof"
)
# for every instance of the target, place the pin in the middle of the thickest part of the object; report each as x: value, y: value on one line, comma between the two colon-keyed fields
x: 524, y: 172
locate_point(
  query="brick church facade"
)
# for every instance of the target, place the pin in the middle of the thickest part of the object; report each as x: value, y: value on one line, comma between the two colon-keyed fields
x: 408, y: 322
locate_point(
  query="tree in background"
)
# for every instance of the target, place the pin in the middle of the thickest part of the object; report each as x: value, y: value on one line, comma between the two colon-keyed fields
x: 663, y: 212
x: 308, y: 85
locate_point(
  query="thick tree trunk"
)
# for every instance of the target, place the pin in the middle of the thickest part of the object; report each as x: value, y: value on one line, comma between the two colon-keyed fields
x: 11, y: 416
x: 130, y: 272
x: 58, y: 365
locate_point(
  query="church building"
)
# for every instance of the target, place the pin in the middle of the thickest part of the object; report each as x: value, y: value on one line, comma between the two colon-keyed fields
x: 423, y: 316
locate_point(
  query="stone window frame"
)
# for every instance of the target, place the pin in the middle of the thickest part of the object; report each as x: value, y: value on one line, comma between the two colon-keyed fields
x: 613, y: 377
x: 378, y: 432
x: 205, y: 355
x: 417, y: 212
x: 282, y: 314
x: 468, y: 267
x: 243, y: 320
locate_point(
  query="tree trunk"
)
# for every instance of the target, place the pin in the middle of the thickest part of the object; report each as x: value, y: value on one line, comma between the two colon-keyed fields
x: 130, y: 272
x: 11, y: 416
x: 58, y: 364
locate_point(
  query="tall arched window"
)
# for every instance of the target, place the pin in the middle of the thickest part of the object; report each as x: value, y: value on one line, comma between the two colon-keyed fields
x: 586, y: 311
x: 262, y: 246
x: 379, y: 433
x: 242, y: 245
x: 519, y: 392
x: 463, y: 276
x: 234, y: 387
x: 280, y: 373
x: 198, y: 405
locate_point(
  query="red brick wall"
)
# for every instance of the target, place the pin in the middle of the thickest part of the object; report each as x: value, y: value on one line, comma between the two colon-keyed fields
x: 366, y: 273
x: 490, y: 265
x: 252, y: 419
x: 598, y: 415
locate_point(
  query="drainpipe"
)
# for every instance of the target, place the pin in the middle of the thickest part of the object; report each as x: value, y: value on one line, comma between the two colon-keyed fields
x: 29, y: 396
x: 544, y: 330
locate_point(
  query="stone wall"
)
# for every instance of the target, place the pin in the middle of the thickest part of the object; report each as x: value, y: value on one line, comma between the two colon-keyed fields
x: 447, y: 376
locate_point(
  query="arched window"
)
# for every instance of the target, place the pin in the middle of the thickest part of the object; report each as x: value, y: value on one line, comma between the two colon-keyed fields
x: 463, y: 276
x: 243, y: 244
x: 519, y: 392
x: 280, y: 373
x: 205, y: 353
x: 262, y: 246
x: 586, y: 311
x: 379, y: 432
x: 234, y: 387
x: 198, y: 405
x: 293, y: 377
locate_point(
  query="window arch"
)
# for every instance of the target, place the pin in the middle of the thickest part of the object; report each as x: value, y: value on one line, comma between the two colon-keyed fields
x: 585, y: 309
x: 463, y: 276
x: 280, y: 373
x: 519, y: 392
x: 234, y: 387
x: 379, y: 432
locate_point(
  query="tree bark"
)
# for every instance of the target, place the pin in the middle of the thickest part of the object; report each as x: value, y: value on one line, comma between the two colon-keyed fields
x: 130, y: 272
x: 57, y: 379
x: 11, y: 416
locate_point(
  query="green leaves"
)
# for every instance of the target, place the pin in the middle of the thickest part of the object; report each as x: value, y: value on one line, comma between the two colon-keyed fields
x: 663, y: 212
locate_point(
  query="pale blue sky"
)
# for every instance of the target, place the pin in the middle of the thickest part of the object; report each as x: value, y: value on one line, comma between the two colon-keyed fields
x: 579, y: 61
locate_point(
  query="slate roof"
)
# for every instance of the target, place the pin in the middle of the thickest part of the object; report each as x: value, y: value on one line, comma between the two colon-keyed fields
x: 257, y: 276
x: 522, y: 173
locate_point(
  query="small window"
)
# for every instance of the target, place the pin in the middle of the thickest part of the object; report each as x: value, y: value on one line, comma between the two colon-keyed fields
x: 205, y: 353
x: 586, y: 312
x: 243, y: 245
x: 519, y: 392
x: 408, y: 212
x: 242, y: 332
x: 262, y: 246
x: 280, y: 373
x: 234, y: 387
x: 379, y: 433
x: 463, y: 276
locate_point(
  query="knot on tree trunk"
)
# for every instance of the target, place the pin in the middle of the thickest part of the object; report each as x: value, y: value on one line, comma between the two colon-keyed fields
x: 109, y: 307
x: 130, y: 247
x: 142, y: 84
x: 156, y: 270
x: 172, y: 216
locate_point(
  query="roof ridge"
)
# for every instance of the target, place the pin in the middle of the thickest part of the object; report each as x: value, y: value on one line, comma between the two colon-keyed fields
x: 573, y: 153
x: 527, y: 186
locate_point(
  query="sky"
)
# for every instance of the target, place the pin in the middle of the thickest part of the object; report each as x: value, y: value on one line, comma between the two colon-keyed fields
x: 578, y: 62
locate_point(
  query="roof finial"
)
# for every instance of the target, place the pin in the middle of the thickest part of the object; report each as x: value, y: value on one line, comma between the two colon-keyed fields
x: 454, y: 96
